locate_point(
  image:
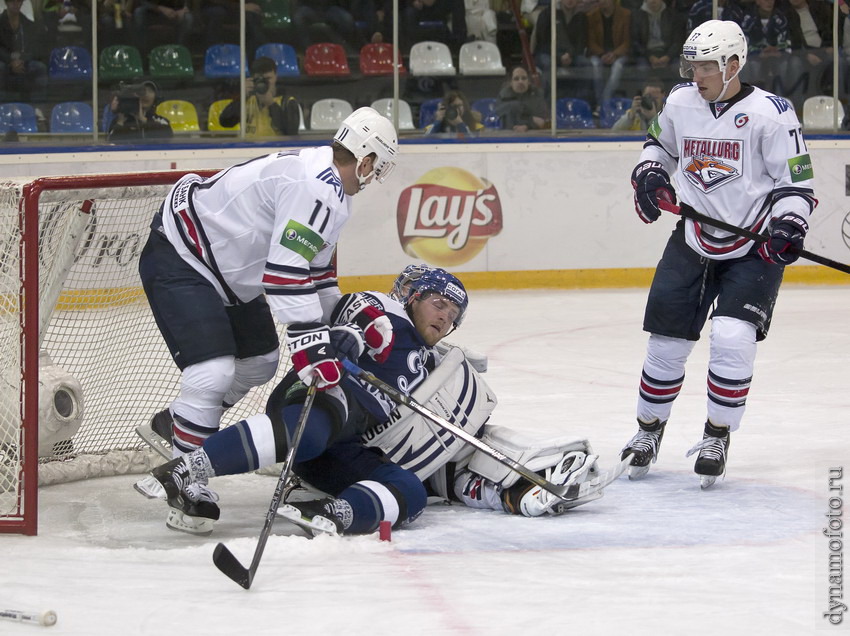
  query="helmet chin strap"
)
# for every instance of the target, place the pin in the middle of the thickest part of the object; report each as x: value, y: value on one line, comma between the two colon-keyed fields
x: 725, y: 86
x: 360, y: 179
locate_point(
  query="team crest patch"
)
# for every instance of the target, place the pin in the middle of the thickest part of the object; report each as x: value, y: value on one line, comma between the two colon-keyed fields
x: 301, y: 239
x: 709, y: 163
x: 741, y: 120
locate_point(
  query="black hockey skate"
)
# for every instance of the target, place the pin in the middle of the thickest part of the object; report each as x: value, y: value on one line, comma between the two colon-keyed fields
x: 157, y: 433
x: 644, y: 448
x: 319, y: 516
x: 713, y: 450
x: 192, y: 505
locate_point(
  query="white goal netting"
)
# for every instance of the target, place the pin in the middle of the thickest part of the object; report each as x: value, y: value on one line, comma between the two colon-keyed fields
x: 102, y: 366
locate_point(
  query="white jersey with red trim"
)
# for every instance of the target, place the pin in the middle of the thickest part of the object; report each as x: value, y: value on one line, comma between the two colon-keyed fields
x: 267, y: 226
x: 743, y: 162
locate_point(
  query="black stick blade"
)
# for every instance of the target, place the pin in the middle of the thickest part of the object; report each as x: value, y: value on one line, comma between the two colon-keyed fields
x: 229, y: 565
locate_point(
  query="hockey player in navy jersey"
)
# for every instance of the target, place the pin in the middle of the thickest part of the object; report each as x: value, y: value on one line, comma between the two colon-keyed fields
x: 256, y: 240
x: 371, y: 457
x: 736, y: 154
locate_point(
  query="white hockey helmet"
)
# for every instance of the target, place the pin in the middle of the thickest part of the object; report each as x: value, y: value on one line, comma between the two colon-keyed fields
x: 366, y: 131
x: 714, y: 41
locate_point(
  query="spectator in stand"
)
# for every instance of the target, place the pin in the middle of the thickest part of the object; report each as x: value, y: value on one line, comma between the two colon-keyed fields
x: 769, y: 60
x: 134, y: 108
x: 481, y: 23
x: 454, y: 115
x: 430, y: 19
x: 644, y: 108
x: 608, y: 45
x: 810, y: 31
x: 69, y: 17
x: 264, y: 114
x: 115, y: 22
x: 521, y: 105
x: 658, y: 33
x: 701, y: 12
x: 330, y: 12
x: 216, y: 14
x: 23, y: 71
x: 570, y: 41
x: 370, y: 19
x: 175, y: 14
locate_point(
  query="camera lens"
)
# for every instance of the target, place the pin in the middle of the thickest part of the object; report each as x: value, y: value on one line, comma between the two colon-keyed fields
x: 451, y: 113
x: 261, y: 85
x: 646, y: 102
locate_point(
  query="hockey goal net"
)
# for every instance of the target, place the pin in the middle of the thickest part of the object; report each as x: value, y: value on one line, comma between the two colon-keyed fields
x: 81, y: 360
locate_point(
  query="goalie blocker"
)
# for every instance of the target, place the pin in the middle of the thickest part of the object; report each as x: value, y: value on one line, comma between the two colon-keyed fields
x: 455, y: 470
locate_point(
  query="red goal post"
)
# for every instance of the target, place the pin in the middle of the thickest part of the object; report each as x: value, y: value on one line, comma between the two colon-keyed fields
x: 81, y: 360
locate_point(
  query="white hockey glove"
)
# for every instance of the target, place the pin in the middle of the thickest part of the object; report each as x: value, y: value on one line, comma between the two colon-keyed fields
x: 313, y: 354
x: 376, y: 325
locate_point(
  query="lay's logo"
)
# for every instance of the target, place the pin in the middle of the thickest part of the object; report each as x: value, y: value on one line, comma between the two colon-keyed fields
x: 447, y: 216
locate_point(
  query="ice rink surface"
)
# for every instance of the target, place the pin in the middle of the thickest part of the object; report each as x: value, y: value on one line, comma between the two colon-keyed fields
x: 654, y: 557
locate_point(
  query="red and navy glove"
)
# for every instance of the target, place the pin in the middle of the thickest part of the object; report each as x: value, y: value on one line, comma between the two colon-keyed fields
x: 787, y: 233
x: 652, y: 184
x: 376, y: 325
x: 313, y: 354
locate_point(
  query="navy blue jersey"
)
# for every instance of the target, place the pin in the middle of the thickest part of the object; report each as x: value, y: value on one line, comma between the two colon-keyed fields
x: 405, y: 369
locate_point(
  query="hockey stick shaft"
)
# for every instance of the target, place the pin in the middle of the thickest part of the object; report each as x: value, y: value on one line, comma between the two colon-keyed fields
x: 563, y: 492
x: 222, y: 556
x: 689, y: 213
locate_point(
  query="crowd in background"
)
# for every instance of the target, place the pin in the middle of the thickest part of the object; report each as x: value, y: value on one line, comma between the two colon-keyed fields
x: 604, y: 50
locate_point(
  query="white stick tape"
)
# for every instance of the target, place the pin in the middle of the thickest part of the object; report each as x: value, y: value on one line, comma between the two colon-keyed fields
x: 47, y: 618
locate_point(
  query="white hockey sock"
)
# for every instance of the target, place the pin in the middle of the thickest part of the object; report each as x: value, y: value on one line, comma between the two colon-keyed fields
x: 197, y: 410
x: 251, y: 372
x: 730, y: 370
x: 662, y: 376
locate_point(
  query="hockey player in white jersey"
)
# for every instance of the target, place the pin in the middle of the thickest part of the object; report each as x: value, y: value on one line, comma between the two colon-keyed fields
x: 734, y: 153
x: 256, y: 240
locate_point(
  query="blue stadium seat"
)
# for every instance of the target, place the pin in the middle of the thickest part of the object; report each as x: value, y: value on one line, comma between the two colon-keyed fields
x: 222, y: 60
x: 69, y: 63
x: 612, y: 110
x: 18, y: 117
x: 428, y: 111
x: 574, y: 113
x: 72, y: 117
x: 487, y: 108
x: 284, y: 55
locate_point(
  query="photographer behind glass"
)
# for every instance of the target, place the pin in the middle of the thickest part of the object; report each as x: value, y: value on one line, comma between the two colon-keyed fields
x: 644, y: 108
x: 454, y: 115
x: 266, y: 114
x: 134, y: 110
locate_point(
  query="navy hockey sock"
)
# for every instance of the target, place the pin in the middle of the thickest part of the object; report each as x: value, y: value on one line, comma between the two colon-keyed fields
x: 316, y: 434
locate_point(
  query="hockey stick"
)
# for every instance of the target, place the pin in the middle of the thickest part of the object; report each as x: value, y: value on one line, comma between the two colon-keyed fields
x: 47, y: 618
x: 689, y: 213
x: 567, y: 493
x: 222, y: 557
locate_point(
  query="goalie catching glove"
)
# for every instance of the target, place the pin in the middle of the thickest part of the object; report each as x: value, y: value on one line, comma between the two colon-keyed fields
x: 315, y: 351
x: 652, y: 184
x: 376, y: 326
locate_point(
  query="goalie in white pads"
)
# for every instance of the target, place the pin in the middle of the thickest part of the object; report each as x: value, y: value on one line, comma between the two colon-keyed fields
x: 452, y: 470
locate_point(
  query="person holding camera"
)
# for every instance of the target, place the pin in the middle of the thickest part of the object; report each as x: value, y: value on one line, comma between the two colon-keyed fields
x: 454, y: 115
x: 644, y: 108
x: 266, y: 114
x: 134, y: 107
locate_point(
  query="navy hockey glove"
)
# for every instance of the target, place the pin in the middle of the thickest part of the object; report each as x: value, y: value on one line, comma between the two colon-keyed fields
x: 651, y: 183
x: 376, y: 325
x: 348, y: 342
x: 313, y: 354
x: 787, y: 233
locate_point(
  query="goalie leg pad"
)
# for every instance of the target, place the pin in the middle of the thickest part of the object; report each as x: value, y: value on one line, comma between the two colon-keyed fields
x: 454, y: 391
x: 536, y: 455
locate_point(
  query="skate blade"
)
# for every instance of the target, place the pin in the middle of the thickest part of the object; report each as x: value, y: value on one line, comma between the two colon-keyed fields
x: 180, y: 521
x: 150, y: 487
x: 161, y: 446
x: 638, y: 472
x: 316, y: 526
x: 706, y: 481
